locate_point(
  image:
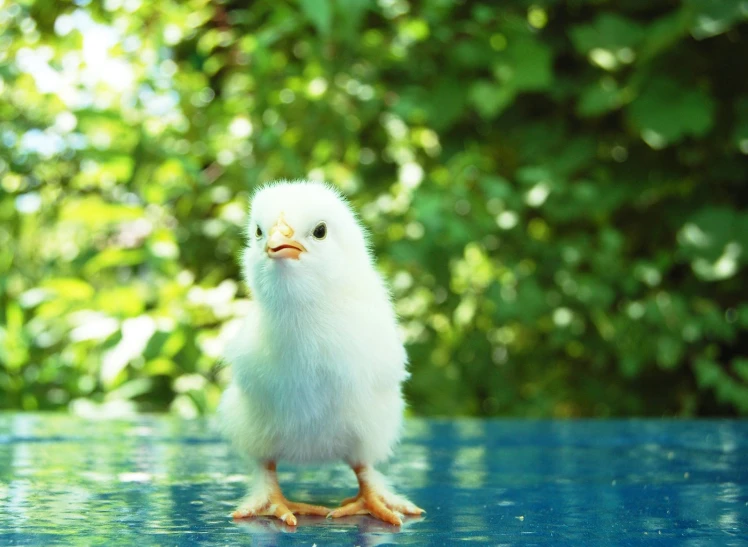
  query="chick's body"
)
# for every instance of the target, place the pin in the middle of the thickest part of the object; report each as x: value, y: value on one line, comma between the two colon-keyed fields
x: 318, y: 362
x: 328, y: 391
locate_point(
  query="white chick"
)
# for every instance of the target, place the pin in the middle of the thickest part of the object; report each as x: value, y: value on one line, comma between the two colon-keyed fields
x: 318, y: 363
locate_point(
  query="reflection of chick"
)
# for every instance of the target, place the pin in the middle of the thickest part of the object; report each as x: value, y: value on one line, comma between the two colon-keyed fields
x: 318, y: 363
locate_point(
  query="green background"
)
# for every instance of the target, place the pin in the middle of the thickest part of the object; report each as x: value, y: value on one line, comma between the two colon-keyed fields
x: 555, y: 192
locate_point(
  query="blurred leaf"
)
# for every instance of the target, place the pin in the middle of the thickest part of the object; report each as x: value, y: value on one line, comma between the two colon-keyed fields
x: 663, y: 34
x: 131, y: 389
x: 609, y: 32
x: 528, y: 65
x: 712, y: 17
x: 69, y: 288
x: 161, y: 367
x: 446, y: 103
x: 319, y: 13
x: 113, y: 257
x: 92, y: 210
x: 490, y: 99
x: 351, y: 13
x: 665, y: 112
x: 600, y: 98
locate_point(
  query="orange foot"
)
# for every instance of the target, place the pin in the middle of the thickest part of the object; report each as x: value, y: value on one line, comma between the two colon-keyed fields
x: 268, y: 500
x: 375, y: 499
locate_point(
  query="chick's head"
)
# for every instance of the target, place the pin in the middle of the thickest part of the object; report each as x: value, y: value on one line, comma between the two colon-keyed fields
x: 303, y: 242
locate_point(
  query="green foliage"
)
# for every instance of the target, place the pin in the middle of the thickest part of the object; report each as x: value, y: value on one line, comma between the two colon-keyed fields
x: 553, y: 188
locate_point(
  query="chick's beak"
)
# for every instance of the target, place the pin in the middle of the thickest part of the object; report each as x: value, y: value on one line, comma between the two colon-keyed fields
x: 280, y: 243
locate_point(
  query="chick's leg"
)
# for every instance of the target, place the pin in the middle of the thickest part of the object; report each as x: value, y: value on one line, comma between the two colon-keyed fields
x: 376, y: 499
x: 266, y: 499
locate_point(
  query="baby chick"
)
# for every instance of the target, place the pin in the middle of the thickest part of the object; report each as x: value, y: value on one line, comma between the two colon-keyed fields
x: 318, y: 363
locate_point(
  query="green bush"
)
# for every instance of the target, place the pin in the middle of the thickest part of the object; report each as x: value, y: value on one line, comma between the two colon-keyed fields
x: 554, y: 190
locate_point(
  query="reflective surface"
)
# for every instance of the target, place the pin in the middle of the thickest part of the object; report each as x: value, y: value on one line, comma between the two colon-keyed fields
x: 161, y: 481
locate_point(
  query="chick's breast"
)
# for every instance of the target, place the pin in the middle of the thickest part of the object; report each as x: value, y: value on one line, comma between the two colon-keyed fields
x: 328, y: 390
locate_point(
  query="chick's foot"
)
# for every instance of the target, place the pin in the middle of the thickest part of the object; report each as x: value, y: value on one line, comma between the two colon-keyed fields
x: 376, y: 499
x: 280, y: 508
x: 267, y: 499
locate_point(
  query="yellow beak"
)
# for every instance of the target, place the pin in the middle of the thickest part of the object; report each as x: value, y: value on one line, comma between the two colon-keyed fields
x: 280, y: 243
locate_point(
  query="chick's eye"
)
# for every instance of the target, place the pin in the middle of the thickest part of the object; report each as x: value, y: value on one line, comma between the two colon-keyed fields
x: 258, y: 232
x: 320, y: 231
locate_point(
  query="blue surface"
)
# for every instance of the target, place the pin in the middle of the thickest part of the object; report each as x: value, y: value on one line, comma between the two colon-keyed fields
x: 160, y: 481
